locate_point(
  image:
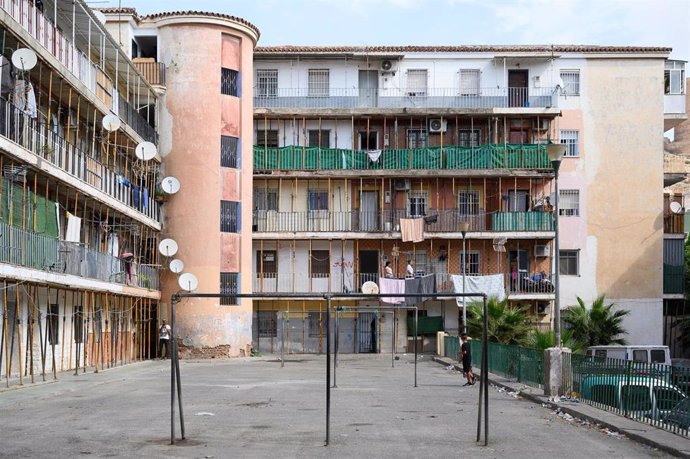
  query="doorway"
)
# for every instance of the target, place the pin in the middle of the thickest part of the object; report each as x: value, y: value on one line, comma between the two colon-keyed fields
x: 368, y: 140
x: 368, y: 88
x: 368, y: 266
x: 367, y: 324
x: 369, y: 211
x: 518, y: 88
x: 518, y: 262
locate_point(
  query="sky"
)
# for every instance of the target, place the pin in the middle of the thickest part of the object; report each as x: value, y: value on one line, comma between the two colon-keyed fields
x: 450, y: 22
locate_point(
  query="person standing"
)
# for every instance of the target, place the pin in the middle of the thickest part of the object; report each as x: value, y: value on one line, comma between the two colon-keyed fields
x: 388, y: 271
x: 466, y: 355
x: 164, y: 339
x: 409, y: 270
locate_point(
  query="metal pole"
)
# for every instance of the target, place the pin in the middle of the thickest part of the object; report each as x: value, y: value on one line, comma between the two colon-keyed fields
x: 328, y: 368
x: 335, y: 354
x: 556, y: 304
x: 393, y: 342
x: 464, y: 269
x: 179, y: 387
x: 415, y: 346
x: 172, y: 375
x: 282, y: 342
x: 485, y: 373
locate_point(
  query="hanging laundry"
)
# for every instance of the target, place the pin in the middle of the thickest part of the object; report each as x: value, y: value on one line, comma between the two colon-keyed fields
x: 374, y: 155
x: 412, y: 229
x: 73, y: 233
x: 24, y: 98
x: 135, y: 196
x: 392, y: 286
x: 491, y: 285
x: 113, y: 244
x: 145, y: 192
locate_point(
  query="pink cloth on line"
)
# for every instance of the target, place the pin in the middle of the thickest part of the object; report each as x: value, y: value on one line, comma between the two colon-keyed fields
x: 412, y: 229
x: 393, y: 286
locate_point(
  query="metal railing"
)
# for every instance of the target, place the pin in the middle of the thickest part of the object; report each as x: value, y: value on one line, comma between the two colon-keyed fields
x: 436, y: 220
x: 482, y: 157
x: 520, y: 363
x: 523, y: 282
x: 133, y: 118
x: 33, y: 250
x: 50, y: 146
x: 404, y: 98
x: 674, y: 223
x: 648, y: 392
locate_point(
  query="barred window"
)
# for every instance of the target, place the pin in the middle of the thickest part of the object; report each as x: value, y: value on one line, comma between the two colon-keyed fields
x: 229, y: 151
x: 267, y: 324
x: 320, y: 264
x: 266, y: 262
x: 571, y: 82
x: 468, y: 202
x: 417, y: 138
x: 319, y: 138
x: 469, y: 137
x: 319, y: 83
x: 317, y: 323
x: 569, y: 262
x: 572, y: 139
x: 317, y: 200
x: 472, y: 265
x: 569, y: 203
x: 266, y: 199
x: 469, y: 82
x: 229, y: 284
x: 417, y: 82
x: 417, y: 203
x: 266, y: 83
x: 267, y: 138
x: 53, y: 323
x: 229, y: 82
x: 230, y: 216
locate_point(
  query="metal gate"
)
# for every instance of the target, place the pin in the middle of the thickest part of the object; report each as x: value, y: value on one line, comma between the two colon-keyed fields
x: 367, y: 324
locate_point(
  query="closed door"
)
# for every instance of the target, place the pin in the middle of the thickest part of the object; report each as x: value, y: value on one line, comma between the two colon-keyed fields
x: 368, y: 88
x: 369, y: 211
x: 367, y: 324
x: 517, y: 88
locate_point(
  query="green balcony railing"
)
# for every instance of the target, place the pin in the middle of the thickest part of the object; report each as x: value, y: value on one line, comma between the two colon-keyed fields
x: 674, y: 279
x: 451, y: 157
x: 522, y: 221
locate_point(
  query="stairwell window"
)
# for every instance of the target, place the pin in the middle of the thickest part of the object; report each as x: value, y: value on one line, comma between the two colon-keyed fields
x: 417, y: 203
x: 469, y: 82
x: 569, y: 263
x: 319, y: 267
x: 417, y: 82
x: 569, y: 203
x: 571, y: 82
x: 230, y: 217
x: 229, y: 82
x: 319, y: 83
x: 266, y: 83
x: 229, y: 284
x: 229, y: 151
x: 572, y: 139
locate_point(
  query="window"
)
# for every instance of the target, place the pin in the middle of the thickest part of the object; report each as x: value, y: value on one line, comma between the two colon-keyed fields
x: 419, y: 261
x: 469, y: 82
x: 416, y: 138
x: 569, y: 264
x: 229, y: 283
x: 266, y: 199
x: 320, y: 264
x: 317, y: 323
x: 368, y: 140
x: 657, y: 356
x: 267, y: 324
x: 416, y: 82
x: 266, y: 83
x: 469, y: 137
x: 53, y: 323
x: 472, y: 266
x: 417, y: 203
x: 78, y: 323
x: 319, y: 138
x: 468, y: 202
x: 572, y: 140
x: 229, y: 149
x: 319, y: 84
x: 229, y: 82
x: 230, y: 216
x: 640, y: 355
x: 317, y: 200
x: 674, y: 77
x: 266, y: 262
x: 518, y: 200
x: 267, y: 138
x: 571, y: 82
x: 569, y: 203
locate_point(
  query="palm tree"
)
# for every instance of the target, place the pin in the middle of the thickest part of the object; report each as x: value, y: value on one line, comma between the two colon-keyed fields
x: 506, y: 325
x: 598, y: 325
x: 545, y: 339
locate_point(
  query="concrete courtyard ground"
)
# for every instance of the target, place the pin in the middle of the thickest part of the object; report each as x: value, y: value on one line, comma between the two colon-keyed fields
x: 254, y: 408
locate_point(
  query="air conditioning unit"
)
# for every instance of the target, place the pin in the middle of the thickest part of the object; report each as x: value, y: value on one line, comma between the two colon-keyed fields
x: 388, y: 66
x: 541, y: 124
x: 542, y: 250
x: 402, y: 184
x: 438, y: 125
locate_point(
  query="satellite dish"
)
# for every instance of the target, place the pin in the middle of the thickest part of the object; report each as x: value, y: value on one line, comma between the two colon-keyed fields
x: 24, y: 59
x: 370, y: 288
x: 499, y: 244
x: 170, y: 185
x: 188, y: 282
x: 176, y: 266
x: 111, y: 122
x: 676, y: 208
x: 145, y: 151
x: 167, y: 247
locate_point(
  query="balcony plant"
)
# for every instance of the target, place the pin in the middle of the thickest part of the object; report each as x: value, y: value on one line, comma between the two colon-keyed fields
x: 159, y: 195
x: 144, y: 281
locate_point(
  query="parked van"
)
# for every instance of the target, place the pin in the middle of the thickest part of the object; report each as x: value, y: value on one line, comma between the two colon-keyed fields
x: 637, y: 353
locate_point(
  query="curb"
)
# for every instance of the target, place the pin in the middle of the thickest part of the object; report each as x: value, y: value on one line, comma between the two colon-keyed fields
x: 576, y: 414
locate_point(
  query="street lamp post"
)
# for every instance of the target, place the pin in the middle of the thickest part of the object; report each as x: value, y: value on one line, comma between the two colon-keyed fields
x: 556, y: 152
x: 464, y: 226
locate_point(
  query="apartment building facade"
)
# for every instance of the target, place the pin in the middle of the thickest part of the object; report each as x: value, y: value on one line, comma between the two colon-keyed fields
x: 351, y: 142
x: 79, y: 222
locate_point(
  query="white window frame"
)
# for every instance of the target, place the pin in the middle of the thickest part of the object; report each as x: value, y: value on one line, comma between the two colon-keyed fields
x: 571, y: 138
x: 417, y: 82
x: 577, y: 261
x: 569, y: 203
x: 417, y: 199
x: 470, y: 80
x: 474, y: 262
x: 571, y: 82
x: 420, y: 261
x: 319, y: 83
x: 674, y: 78
x: 266, y: 83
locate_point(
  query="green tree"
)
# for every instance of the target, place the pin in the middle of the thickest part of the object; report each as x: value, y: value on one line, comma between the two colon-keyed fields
x: 506, y: 325
x: 598, y: 325
x: 545, y: 339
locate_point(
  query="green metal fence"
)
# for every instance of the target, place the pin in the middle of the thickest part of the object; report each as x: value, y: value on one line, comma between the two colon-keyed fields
x: 506, y: 156
x: 520, y: 363
x: 647, y: 392
x: 451, y: 347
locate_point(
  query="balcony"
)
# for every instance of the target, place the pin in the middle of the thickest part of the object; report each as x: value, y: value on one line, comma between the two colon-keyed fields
x: 397, y: 98
x: 51, y: 147
x: 154, y: 72
x: 674, y: 279
x: 484, y: 157
x: 674, y: 223
x: 37, y: 251
x: 137, y: 122
x: 437, y: 220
